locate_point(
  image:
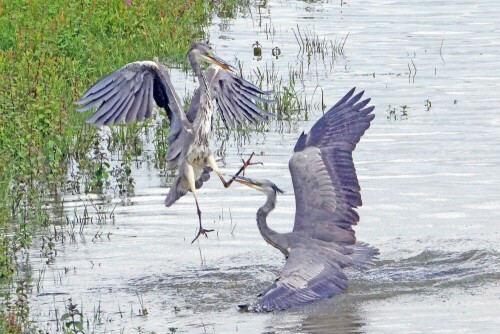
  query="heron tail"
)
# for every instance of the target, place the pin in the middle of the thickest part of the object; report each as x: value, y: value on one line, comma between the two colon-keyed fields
x: 204, y: 177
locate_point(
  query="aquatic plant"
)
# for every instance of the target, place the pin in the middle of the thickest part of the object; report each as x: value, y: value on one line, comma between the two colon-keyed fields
x: 71, y: 324
x: 311, y: 44
x: 398, y: 114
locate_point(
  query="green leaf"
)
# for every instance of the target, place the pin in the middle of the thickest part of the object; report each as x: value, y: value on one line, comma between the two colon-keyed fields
x: 79, y: 325
x: 64, y: 316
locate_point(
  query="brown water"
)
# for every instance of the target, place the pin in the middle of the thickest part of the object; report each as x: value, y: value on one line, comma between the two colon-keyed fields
x: 430, y: 183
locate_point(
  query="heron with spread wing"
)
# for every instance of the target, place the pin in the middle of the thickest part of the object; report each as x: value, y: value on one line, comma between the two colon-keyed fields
x: 129, y: 93
x: 327, y: 190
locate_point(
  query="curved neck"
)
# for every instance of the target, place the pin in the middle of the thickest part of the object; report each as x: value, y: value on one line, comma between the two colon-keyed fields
x: 271, y: 236
x: 195, y: 65
x: 203, y: 120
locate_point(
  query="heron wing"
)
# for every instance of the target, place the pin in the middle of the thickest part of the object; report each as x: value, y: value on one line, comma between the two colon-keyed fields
x: 127, y: 95
x: 236, y: 97
x: 308, y: 275
x: 323, y: 174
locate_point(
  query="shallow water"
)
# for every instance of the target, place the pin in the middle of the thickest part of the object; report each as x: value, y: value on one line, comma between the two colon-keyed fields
x: 429, y: 183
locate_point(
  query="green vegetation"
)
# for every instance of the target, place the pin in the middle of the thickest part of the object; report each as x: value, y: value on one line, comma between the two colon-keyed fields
x: 70, y: 323
x: 50, y: 51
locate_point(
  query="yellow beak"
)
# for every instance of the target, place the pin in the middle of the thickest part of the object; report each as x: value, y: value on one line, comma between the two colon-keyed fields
x: 248, y: 182
x: 220, y: 62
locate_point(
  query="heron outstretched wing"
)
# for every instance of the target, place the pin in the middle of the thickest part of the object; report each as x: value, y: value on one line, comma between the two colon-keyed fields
x: 235, y: 97
x: 323, y: 174
x: 128, y: 94
x: 307, y: 276
x: 314, y: 271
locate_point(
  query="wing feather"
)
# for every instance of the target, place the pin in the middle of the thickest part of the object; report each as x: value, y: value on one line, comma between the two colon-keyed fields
x: 127, y: 95
x: 118, y: 111
x: 138, y: 103
x: 314, y: 271
x: 226, y: 108
x: 323, y: 174
x: 306, y: 277
x: 94, y: 100
x: 106, y: 106
x: 149, y: 100
x: 236, y: 98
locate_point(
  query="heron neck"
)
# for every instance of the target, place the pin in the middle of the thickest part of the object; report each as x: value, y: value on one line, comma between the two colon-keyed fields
x: 195, y: 65
x: 203, y: 120
x: 271, y: 236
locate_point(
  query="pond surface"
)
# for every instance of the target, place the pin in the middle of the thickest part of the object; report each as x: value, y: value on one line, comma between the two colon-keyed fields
x: 429, y: 169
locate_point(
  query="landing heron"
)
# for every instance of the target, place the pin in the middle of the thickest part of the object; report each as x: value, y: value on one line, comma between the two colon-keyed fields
x: 326, y: 187
x: 128, y: 94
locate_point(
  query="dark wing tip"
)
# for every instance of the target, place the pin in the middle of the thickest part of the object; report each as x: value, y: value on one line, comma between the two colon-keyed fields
x: 368, y: 110
x: 345, y: 98
x: 345, y: 121
x: 301, y: 142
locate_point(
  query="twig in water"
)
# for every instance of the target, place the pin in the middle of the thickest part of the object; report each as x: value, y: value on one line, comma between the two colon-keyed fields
x: 143, y: 311
x: 112, y: 211
x: 441, y: 50
x: 201, y: 255
x: 298, y: 42
x: 415, y: 70
x: 345, y: 40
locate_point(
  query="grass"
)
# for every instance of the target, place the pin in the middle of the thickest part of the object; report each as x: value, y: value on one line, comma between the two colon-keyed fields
x: 50, y: 52
x: 311, y: 44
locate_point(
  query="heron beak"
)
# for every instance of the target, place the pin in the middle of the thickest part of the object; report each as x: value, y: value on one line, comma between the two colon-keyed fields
x: 248, y: 182
x: 211, y: 58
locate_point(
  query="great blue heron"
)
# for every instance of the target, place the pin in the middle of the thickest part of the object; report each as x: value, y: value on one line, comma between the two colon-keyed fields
x: 326, y: 187
x: 127, y: 95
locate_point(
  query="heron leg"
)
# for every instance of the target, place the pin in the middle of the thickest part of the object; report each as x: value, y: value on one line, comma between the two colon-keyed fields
x: 189, y: 173
x: 213, y: 164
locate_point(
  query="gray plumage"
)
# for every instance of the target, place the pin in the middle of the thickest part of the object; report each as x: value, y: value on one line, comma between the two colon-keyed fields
x: 129, y: 94
x: 326, y: 187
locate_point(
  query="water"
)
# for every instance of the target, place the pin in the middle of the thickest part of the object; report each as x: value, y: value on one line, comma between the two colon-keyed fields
x: 429, y: 182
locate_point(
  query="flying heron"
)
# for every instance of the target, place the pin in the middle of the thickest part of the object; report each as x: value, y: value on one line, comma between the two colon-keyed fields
x: 326, y: 187
x: 127, y: 95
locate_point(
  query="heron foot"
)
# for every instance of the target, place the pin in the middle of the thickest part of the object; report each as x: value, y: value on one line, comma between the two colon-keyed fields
x: 248, y: 163
x: 200, y: 232
x: 242, y: 169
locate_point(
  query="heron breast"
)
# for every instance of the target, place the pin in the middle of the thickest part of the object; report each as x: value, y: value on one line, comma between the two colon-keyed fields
x: 197, y: 157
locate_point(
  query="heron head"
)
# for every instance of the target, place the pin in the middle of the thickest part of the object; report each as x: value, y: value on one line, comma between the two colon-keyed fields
x: 203, y: 52
x: 265, y: 186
